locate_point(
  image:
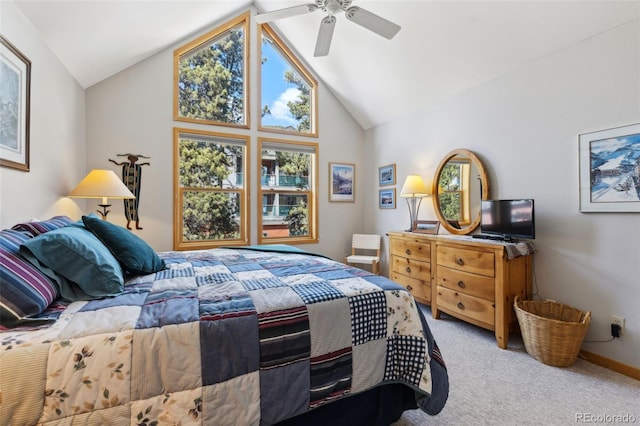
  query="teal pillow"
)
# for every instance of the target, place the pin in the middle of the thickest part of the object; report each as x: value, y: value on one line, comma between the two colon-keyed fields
x: 135, y: 255
x: 75, y: 254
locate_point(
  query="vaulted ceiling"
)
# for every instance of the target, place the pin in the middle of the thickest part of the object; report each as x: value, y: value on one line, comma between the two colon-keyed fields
x: 444, y: 47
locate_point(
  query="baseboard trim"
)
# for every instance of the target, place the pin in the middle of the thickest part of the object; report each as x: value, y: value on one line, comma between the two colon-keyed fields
x: 611, y: 364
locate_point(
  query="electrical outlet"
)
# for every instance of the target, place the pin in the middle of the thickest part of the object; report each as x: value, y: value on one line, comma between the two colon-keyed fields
x: 619, y: 321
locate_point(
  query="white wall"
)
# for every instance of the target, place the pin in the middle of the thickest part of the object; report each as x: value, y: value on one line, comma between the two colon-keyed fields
x: 131, y: 112
x: 57, y: 132
x: 525, y: 125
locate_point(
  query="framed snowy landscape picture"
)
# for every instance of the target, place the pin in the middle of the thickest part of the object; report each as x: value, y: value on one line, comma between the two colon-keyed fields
x: 610, y: 170
x: 341, y: 182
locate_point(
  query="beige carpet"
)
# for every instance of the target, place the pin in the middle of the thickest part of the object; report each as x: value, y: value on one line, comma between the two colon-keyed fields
x: 491, y: 386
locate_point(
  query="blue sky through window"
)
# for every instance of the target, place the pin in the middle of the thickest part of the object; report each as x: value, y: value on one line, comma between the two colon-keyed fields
x: 276, y: 92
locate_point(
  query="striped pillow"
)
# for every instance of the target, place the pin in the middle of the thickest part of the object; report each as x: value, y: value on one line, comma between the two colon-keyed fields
x: 24, y: 290
x: 37, y: 227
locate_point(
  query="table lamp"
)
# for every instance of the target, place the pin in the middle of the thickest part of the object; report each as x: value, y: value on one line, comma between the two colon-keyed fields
x: 102, y: 184
x: 414, y: 190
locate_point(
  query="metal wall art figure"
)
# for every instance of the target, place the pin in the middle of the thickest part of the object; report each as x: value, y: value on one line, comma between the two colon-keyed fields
x: 132, y: 178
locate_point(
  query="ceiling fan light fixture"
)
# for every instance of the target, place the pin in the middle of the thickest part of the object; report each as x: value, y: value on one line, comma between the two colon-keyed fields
x: 333, y: 6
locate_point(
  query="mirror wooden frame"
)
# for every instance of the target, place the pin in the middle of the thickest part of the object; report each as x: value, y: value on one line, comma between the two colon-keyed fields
x: 435, y: 190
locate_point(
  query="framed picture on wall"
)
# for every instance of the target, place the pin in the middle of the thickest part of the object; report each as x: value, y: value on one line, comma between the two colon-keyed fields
x: 15, y: 87
x: 387, y: 175
x: 387, y: 198
x: 342, y: 183
x: 610, y: 170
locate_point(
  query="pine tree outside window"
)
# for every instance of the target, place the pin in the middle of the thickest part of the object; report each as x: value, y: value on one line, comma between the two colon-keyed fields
x: 211, y: 77
x: 210, y: 205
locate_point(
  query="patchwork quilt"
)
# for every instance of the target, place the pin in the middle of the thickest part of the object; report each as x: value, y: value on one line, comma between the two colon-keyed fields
x: 224, y: 336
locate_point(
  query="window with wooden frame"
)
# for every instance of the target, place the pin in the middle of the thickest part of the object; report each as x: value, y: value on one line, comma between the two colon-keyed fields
x: 211, y: 76
x: 210, y: 189
x: 287, y: 193
x: 288, y: 92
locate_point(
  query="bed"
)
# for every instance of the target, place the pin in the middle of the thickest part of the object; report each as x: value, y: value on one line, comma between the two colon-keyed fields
x: 256, y: 335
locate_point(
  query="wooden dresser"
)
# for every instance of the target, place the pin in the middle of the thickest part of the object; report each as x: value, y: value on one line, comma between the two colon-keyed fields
x: 473, y: 280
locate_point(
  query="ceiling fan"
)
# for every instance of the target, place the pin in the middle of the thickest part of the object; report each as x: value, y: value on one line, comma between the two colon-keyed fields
x: 370, y: 21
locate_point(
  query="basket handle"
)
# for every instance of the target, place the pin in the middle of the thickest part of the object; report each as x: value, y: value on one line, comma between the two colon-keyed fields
x: 587, y: 318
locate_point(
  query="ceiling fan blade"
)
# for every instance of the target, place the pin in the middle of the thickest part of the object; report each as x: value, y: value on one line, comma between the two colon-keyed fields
x: 261, y: 18
x: 373, y: 22
x: 325, y: 34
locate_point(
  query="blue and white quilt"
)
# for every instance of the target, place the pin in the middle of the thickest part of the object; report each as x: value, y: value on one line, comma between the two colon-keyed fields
x: 221, y: 337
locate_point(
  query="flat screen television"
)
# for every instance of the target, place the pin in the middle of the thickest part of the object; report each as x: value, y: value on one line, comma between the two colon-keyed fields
x: 510, y: 219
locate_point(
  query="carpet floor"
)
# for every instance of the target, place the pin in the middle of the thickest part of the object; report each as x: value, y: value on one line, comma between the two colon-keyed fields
x: 492, y: 386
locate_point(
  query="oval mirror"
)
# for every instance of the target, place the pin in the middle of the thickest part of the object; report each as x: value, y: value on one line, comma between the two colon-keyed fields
x: 459, y: 186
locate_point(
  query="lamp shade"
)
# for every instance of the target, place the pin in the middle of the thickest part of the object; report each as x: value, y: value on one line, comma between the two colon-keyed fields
x: 101, y: 184
x: 414, y: 187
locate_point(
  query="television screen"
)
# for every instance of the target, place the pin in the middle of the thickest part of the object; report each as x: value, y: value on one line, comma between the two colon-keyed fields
x: 509, y: 218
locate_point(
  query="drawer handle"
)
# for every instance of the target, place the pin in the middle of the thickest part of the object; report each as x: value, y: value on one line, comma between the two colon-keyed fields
x: 460, y: 305
x: 408, y: 269
x: 409, y: 288
x: 460, y: 261
x: 461, y: 284
x: 407, y: 251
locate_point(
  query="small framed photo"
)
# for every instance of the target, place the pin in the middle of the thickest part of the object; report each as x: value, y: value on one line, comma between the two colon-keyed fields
x: 387, y: 198
x: 426, y: 227
x: 610, y: 170
x: 387, y: 175
x: 15, y: 70
x: 342, y: 183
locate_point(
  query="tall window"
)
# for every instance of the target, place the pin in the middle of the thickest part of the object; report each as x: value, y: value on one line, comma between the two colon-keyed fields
x: 454, y: 187
x: 288, y: 91
x: 210, y: 178
x: 211, y: 76
x: 287, y: 192
x: 211, y: 194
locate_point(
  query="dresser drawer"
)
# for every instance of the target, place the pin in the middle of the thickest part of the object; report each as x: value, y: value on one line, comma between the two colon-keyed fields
x: 412, y: 249
x: 467, y: 283
x: 462, y: 305
x: 419, y: 288
x: 411, y: 268
x: 473, y: 261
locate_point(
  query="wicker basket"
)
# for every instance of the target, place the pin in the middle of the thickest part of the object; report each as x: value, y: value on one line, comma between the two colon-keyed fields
x: 552, y: 332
